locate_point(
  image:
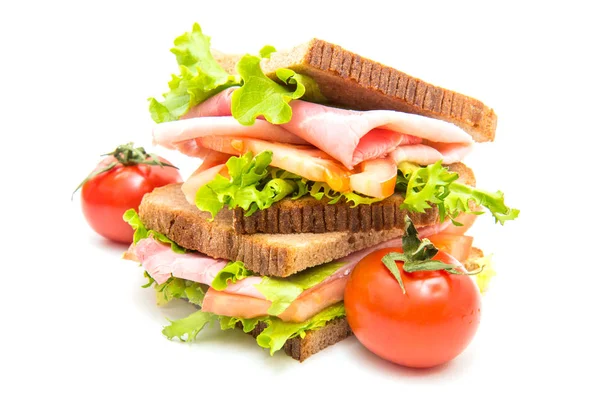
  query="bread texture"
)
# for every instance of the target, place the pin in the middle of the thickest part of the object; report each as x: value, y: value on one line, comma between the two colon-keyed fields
x: 348, y: 80
x: 314, y: 341
x: 166, y: 210
x: 311, y: 215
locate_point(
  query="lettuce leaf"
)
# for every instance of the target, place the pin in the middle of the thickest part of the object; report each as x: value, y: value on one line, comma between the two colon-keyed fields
x: 248, y: 324
x: 278, y: 332
x: 261, y: 96
x: 186, y: 329
x: 244, y: 188
x: 318, y: 190
x: 266, y: 51
x: 176, y: 288
x: 273, y: 337
x: 283, y: 291
x: 200, y: 77
x: 233, y: 272
x: 435, y: 184
x: 254, y: 185
x: 140, y: 232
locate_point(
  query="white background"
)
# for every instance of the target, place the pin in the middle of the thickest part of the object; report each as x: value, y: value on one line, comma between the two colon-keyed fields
x: 73, y: 84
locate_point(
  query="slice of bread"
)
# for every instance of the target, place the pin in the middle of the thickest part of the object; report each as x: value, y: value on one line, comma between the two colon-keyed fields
x: 311, y: 215
x: 166, y: 210
x: 351, y: 81
x: 301, y: 348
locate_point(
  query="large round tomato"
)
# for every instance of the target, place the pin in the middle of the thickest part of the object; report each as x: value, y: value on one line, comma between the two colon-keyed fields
x: 429, y: 325
x: 107, y: 195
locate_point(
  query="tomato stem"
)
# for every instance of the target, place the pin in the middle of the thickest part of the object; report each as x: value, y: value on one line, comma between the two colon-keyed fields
x: 417, y: 256
x: 126, y: 155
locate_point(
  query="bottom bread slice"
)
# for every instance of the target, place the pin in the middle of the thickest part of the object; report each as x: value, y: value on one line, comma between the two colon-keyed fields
x: 314, y: 341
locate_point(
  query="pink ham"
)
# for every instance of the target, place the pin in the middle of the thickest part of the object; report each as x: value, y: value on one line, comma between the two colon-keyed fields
x: 161, y: 263
x: 309, y: 303
x: 200, y: 178
x: 175, y: 134
x: 213, y: 163
x: 348, y: 136
x: 340, y: 132
x: 243, y: 299
x: 216, y: 106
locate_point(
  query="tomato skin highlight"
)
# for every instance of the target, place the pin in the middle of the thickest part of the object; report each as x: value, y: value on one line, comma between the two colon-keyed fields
x: 105, y: 197
x: 429, y: 325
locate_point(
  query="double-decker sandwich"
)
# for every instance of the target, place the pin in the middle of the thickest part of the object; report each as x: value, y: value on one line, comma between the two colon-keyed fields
x: 309, y: 159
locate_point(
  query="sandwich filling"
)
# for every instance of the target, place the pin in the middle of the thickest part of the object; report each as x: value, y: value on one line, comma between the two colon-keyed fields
x: 228, y: 292
x: 260, y: 139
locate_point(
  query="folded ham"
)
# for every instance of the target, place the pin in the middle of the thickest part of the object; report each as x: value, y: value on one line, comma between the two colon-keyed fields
x: 242, y: 299
x: 350, y: 137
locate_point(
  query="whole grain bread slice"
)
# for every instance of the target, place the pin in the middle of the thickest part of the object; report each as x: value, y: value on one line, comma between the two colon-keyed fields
x: 316, y: 340
x: 311, y: 215
x: 351, y: 81
x: 166, y: 210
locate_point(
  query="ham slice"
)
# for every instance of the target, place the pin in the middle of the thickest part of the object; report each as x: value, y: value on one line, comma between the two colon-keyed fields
x: 309, y: 303
x: 161, y: 263
x: 350, y: 137
x: 199, y: 178
x: 340, y: 132
x: 242, y: 299
x: 174, y: 134
x: 216, y: 106
x: 213, y: 163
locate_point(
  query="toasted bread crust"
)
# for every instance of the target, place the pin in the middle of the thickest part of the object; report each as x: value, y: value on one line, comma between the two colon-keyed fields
x: 311, y: 215
x: 167, y: 211
x: 349, y: 80
x: 314, y: 341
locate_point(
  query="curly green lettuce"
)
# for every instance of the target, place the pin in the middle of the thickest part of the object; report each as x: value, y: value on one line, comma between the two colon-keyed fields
x: 254, y: 185
x: 200, y: 77
x: 261, y: 96
x: 140, y: 232
x: 277, y: 332
x: 273, y: 337
x: 283, y: 291
x: 233, y: 272
x: 436, y: 185
x: 173, y: 288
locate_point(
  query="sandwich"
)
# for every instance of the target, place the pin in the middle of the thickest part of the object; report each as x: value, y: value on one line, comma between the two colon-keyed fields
x: 308, y: 160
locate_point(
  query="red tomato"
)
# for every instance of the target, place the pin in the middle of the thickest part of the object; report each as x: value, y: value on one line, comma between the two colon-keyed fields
x: 429, y: 325
x: 106, y: 196
x: 458, y: 246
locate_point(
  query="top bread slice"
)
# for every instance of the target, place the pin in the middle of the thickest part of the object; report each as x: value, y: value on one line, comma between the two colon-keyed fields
x: 358, y: 83
x: 166, y: 210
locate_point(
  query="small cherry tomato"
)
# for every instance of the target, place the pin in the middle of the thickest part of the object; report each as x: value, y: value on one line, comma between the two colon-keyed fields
x: 117, y: 184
